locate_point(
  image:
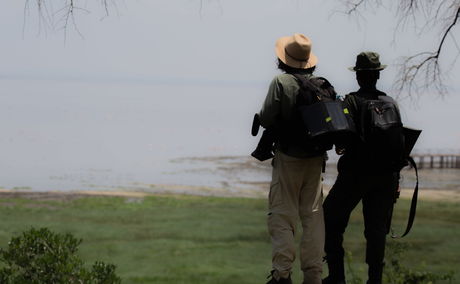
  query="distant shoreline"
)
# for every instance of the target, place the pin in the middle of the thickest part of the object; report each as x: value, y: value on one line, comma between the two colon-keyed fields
x: 424, y: 194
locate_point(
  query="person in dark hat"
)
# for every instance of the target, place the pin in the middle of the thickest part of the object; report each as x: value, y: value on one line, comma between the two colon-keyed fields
x: 360, y: 178
x: 296, y: 189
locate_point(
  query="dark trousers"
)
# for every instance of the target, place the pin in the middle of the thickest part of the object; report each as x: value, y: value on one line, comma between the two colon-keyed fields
x: 377, y: 193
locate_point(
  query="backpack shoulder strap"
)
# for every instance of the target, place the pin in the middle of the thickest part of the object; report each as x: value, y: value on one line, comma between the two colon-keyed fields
x: 413, y: 205
x: 326, y: 87
x: 306, y: 83
x: 389, y: 99
x: 314, y: 88
x: 351, y: 101
x: 308, y: 90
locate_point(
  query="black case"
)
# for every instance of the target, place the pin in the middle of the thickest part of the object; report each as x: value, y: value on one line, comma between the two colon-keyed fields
x: 328, y: 122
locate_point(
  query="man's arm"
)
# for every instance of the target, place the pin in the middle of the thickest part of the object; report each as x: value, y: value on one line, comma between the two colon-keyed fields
x: 352, y: 105
x: 267, y: 116
x: 271, y: 107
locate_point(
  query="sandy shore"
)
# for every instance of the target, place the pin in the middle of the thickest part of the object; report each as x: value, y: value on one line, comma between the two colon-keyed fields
x: 424, y: 194
x: 433, y: 194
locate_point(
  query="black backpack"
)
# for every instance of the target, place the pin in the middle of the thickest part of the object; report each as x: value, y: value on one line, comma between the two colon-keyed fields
x: 389, y: 143
x: 382, y: 132
x: 319, y: 122
x: 312, y: 90
x: 325, y: 120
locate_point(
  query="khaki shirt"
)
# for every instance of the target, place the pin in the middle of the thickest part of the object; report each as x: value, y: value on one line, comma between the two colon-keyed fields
x: 279, y: 108
x: 279, y: 105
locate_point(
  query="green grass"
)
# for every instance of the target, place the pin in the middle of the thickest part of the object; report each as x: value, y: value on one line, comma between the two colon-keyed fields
x: 187, y: 239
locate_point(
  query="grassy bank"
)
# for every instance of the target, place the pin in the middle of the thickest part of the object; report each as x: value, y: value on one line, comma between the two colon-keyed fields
x: 188, y: 239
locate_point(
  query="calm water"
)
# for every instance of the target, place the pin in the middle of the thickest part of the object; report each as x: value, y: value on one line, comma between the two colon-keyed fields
x: 74, y: 135
x: 71, y: 135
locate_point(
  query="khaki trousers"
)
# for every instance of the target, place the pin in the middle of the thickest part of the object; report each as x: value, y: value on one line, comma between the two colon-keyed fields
x: 296, y: 193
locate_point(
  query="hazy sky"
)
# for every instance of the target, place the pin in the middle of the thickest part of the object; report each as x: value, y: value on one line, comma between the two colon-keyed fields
x: 226, y: 43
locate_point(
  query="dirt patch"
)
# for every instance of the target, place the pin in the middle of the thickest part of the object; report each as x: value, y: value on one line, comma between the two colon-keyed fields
x: 42, y: 196
x: 424, y: 194
x: 434, y: 194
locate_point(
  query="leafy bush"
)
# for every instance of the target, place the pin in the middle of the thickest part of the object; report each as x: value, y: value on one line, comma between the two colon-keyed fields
x: 353, y: 275
x: 41, y: 256
x: 397, y: 274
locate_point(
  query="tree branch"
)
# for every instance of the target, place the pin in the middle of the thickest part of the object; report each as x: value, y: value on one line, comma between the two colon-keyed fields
x: 454, y: 22
x: 64, y: 17
x: 422, y: 71
x: 354, y: 6
x: 426, y: 64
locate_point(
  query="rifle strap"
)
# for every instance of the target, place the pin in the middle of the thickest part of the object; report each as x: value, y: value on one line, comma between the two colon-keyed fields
x: 413, y: 206
x: 307, y: 90
x: 305, y: 82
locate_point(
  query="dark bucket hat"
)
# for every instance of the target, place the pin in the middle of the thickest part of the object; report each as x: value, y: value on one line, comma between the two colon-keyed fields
x: 367, y: 60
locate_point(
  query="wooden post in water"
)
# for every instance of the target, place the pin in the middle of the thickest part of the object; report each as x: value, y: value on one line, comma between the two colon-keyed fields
x: 440, y: 161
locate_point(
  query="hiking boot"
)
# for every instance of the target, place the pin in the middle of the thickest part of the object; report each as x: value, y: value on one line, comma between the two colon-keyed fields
x: 328, y: 280
x: 280, y: 281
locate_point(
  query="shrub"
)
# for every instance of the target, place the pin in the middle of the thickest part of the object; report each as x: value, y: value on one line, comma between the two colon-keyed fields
x: 353, y: 275
x: 397, y: 274
x: 40, y: 256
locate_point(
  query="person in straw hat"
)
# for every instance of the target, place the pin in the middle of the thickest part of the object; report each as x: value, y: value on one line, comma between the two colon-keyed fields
x: 360, y: 177
x: 296, y: 189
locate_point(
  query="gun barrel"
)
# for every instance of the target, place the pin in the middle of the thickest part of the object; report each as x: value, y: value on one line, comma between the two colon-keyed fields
x: 255, y: 125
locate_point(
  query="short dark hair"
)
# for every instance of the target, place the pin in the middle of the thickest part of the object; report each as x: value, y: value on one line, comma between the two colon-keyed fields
x: 291, y: 70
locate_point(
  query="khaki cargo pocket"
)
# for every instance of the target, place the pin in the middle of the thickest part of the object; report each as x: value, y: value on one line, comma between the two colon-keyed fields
x: 274, y: 196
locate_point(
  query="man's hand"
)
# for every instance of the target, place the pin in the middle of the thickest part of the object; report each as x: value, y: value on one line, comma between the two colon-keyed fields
x: 339, y: 150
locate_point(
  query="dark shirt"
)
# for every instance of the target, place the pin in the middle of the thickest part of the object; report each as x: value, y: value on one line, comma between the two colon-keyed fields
x: 356, y: 157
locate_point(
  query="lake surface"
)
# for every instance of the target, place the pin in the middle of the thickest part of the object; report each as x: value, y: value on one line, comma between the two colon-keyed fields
x: 77, y: 135
x: 66, y: 135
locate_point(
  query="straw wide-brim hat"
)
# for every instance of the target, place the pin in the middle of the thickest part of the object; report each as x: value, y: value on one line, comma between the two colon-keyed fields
x: 295, y: 51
